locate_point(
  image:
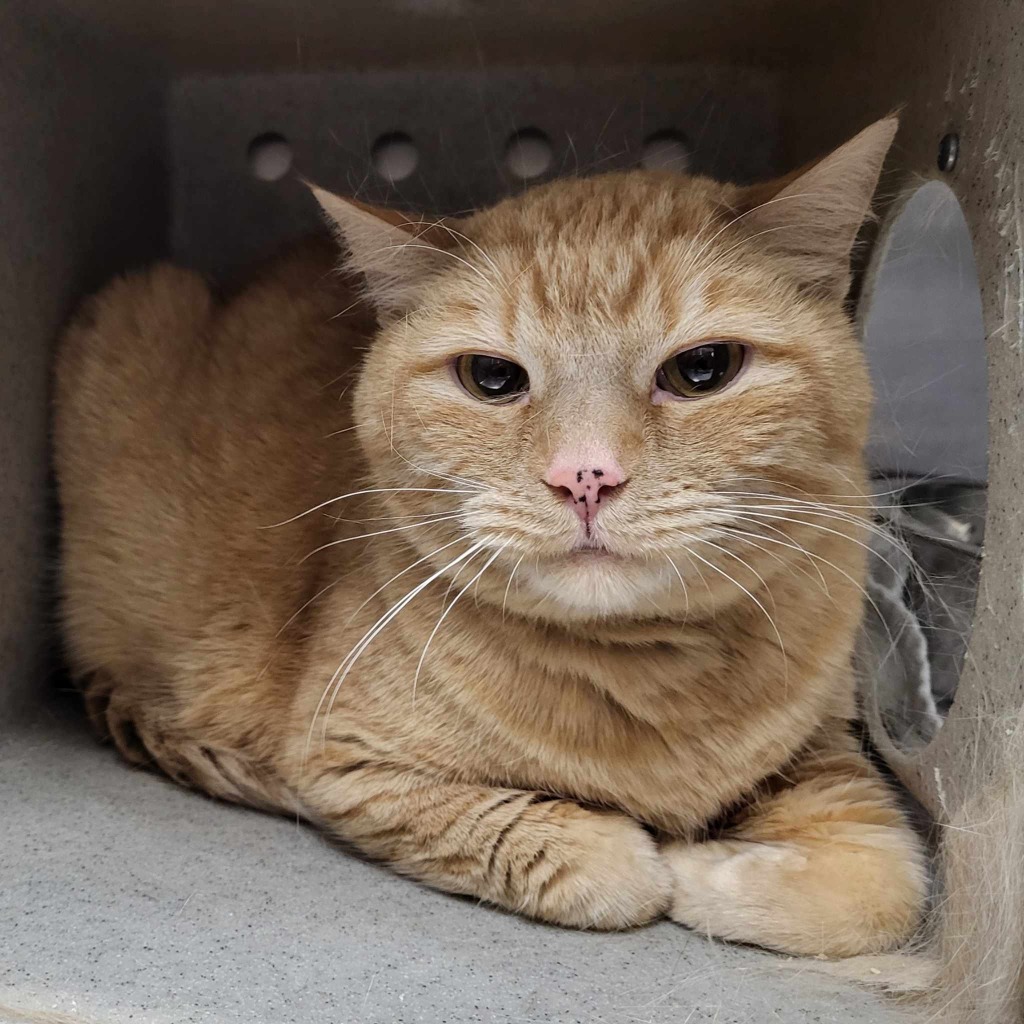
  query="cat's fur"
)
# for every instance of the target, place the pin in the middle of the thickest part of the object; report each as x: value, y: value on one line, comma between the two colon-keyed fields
x: 596, y: 741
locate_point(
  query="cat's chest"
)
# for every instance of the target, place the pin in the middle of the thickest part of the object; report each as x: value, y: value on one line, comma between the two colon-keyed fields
x: 671, y: 725
x: 672, y: 733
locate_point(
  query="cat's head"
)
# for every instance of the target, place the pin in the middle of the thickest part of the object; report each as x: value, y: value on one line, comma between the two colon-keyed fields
x: 588, y: 384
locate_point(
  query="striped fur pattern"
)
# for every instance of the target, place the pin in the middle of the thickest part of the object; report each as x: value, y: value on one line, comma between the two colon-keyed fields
x: 303, y: 570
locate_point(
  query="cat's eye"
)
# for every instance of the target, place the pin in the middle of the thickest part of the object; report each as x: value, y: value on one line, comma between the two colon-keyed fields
x: 491, y: 379
x: 701, y: 370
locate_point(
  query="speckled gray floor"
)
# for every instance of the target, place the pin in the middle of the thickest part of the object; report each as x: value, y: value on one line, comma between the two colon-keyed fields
x: 125, y: 898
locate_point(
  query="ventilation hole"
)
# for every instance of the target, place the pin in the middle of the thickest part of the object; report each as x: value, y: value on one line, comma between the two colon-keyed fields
x: 394, y: 156
x: 665, y: 151
x: 528, y: 154
x: 270, y: 157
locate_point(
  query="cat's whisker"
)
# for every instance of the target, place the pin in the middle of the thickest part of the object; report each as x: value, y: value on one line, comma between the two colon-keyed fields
x: 731, y: 530
x: 727, y: 531
x: 753, y: 597
x: 368, y: 490
x: 815, y: 557
x: 682, y: 583
x: 866, y: 525
x: 305, y: 604
x: 380, y: 533
x: 867, y: 503
x: 867, y: 506
x: 384, y: 519
x: 344, y: 430
x: 398, y: 575
x: 742, y: 562
x: 839, y: 508
x: 817, y: 526
x: 446, y: 611
x: 337, y: 680
x: 825, y: 510
x: 508, y: 586
x: 454, y: 580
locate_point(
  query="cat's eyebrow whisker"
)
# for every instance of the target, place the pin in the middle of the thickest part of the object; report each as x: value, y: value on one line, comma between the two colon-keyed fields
x: 368, y: 490
x: 746, y: 213
x: 380, y: 533
x: 446, y: 252
x: 341, y: 673
x: 445, y: 612
x: 720, y: 258
x: 465, y: 238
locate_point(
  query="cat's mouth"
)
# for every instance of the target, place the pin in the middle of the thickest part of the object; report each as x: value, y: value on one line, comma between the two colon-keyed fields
x: 589, y: 549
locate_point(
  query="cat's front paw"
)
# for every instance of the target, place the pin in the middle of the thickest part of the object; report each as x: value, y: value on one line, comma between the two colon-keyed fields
x: 708, y: 877
x: 601, y: 870
x: 833, y: 899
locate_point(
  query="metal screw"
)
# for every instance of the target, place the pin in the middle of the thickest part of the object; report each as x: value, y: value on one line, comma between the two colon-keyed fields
x: 949, y: 150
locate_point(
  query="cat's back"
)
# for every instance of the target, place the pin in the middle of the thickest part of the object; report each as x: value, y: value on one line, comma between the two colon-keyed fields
x: 151, y: 339
x: 185, y: 425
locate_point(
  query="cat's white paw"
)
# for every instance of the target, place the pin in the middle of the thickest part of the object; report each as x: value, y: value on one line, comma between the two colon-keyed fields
x: 717, y: 873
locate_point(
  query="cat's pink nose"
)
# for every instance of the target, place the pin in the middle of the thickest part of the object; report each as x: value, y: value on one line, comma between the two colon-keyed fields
x: 585, y: 480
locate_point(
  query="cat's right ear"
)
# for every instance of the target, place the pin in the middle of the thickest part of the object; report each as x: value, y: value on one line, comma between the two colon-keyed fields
x: 397, y: 253
x: 811, y: 217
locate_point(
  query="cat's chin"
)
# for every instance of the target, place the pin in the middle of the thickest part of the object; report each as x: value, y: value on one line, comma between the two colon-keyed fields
x: 593, y: 582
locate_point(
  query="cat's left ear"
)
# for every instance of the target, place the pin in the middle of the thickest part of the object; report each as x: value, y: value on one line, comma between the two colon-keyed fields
x: 811, y: 217
x: 397, y: 253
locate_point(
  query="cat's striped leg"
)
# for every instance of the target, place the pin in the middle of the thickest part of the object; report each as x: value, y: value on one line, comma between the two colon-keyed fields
x: 822, y: 862
x: 528, y: 852
x: 146, y: 740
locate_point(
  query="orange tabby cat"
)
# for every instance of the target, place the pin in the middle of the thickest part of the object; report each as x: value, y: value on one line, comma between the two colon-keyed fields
x: 540, y: 584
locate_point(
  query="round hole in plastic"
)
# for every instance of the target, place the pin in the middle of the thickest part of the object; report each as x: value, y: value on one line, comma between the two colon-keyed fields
x: 665, y: 151
x: 269, y: 156
x: 395, y: 156
x: 528, y: 154
x: 924, y: 339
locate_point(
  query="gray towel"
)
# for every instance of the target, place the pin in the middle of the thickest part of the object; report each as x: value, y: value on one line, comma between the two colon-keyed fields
x: 922, y: 588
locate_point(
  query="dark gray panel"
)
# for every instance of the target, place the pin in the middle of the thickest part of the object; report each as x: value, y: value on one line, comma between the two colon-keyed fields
x: 83, y: 195
x: 596, y: 119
